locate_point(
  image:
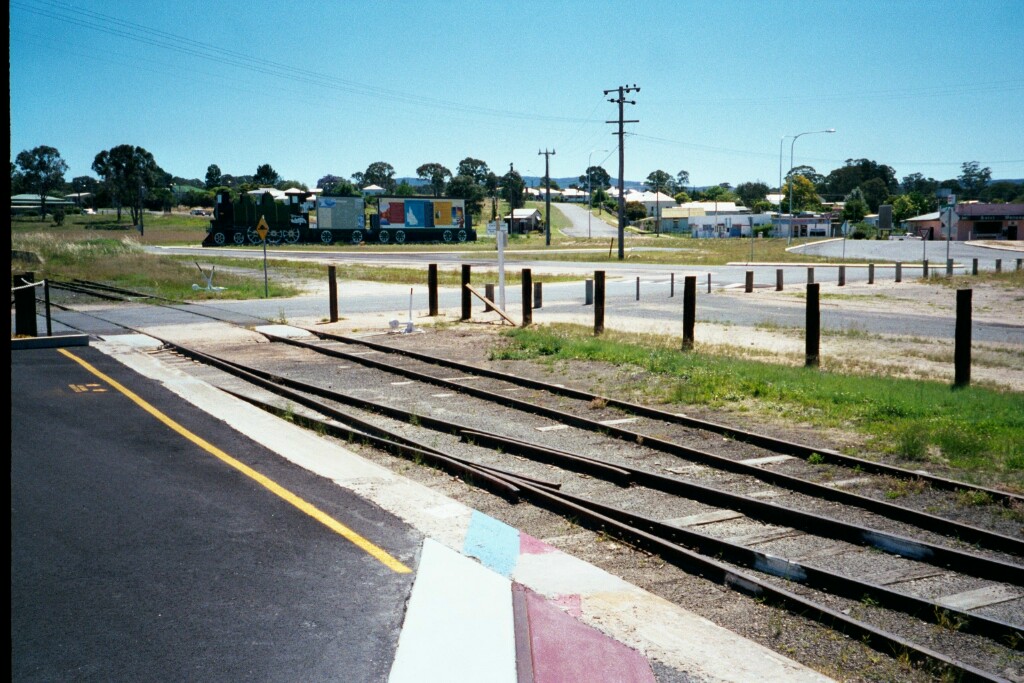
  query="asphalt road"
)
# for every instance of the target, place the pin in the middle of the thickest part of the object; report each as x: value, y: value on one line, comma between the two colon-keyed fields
x: 138, y: 555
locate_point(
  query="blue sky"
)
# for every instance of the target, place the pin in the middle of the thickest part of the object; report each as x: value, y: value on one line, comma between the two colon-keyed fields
x: 330, y: 87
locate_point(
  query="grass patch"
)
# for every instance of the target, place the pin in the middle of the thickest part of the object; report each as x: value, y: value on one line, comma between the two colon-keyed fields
x: 972, y: 431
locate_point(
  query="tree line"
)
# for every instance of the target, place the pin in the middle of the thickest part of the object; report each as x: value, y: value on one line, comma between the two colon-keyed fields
x: 130, y: 178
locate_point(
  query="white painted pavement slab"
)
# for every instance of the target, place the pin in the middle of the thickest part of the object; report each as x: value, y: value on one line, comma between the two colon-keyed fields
x: 458, y: 626
x: 768, y: 460
x: 980, y: 597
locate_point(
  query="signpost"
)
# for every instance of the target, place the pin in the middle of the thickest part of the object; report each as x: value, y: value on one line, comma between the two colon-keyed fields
x: 261, y: 229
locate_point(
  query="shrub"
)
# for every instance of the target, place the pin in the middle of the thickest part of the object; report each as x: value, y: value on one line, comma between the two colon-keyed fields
x: 58, y: 216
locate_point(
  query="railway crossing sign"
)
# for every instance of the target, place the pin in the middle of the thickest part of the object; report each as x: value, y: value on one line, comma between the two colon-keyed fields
x: 262, y: 228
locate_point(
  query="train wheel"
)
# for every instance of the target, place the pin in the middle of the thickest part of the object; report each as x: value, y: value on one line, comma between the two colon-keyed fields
x: 462, y: 235
x: 238, y: 238
x: 447, y: 235
x: 274, y: 237
x: 400, y: 236
x: 384, y: 236
x: 326, y: 236
x: 357, y: 236
x: 219, y: 238
x: 253, y: 236
x: 291, y: 236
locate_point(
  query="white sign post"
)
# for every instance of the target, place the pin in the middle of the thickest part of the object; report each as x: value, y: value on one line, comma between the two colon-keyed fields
x: 502, y: 239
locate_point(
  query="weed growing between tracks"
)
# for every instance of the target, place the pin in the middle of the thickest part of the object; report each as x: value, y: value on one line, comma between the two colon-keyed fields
x: 973, y: 433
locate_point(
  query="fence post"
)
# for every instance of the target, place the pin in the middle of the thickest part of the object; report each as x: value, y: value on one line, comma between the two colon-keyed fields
x: 538, y: 294
x: 689, y: 310
x: 598, y: 302
x: 588, y: 292
x: 999, y: 265
x: 527, y: 297
x: 949, y: 266
x: 871, y: 273
x: 842, y: 276
x: 748, y: 285
x: 813, y: 334
x: 1020, y: 264
x: 638, y: 288
x: 432, y: 289
x: 489, y: 293
x: 709, y: 283
x: 24, y: 304
x: 899, y: 271
x: 962, y: 350
x: 467, y: 304
x: 332, y: 287
x: 46, y: 302
x: 778, y: 279
x: 924, y: 269
x: 974, y: 266
x: 672, y: 285
x: 810, y: 275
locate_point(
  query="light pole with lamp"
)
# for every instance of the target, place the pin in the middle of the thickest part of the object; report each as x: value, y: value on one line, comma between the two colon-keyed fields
x: 590, y: 197
x: 791, y: 146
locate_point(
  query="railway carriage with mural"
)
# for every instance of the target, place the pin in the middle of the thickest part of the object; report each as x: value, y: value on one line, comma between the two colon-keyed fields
x: 290, y: 219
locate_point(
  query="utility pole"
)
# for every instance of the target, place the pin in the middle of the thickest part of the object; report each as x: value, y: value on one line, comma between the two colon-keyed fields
x: 621, y: 100
x: 547, y: 200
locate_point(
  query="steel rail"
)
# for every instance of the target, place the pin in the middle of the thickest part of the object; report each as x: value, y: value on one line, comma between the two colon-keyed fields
x: 964, y: 532
x: 753, y: 438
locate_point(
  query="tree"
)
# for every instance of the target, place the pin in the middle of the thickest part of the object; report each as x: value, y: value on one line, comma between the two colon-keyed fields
x: 915, y: 182
x: 596, y: 177
x: 856, y: 173
x: 902, y: 209
x: 41, y: 170
x: 658, y: 181
x: 466, y: 187
x: 214, y: 178
x: 491, y: 184
x: 855, y: 207
x: 333, y: 186
x: 717, y: 193
x: 973, y: 178
x: 548, y: 182
x: 682, y: 180
x: 378, y: 173
x: 436, y: 176
x: 1001, y: 191
x: 513, y: 189
x: 635, y: 211
x: 875, y: 193
x: 682, y: 197
x: 327, y: 181
x: 805, y: 197
x: 752, y: 193
x: 404, y: 189
x: 807, y: 172
x: 128, y: 173
x: 475, y: 169
x: 266, y: 175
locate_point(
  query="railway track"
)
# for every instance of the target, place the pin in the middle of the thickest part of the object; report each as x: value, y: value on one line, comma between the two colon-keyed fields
x: 745, y: 510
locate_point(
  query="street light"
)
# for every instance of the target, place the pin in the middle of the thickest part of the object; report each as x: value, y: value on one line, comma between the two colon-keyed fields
x: 791, y: 146
x: 590, y: 198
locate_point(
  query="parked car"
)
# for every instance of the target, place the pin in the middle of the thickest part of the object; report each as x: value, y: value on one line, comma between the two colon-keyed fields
x: 201, y: 212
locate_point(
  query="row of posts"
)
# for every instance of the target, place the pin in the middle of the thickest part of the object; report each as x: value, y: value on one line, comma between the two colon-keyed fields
x: 595, y: 295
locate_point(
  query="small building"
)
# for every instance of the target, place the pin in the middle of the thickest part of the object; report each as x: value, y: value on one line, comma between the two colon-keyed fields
x: 977, y: 221
x: 734, y: 225
x: 523, y: 221
x: 927, y: 225
x: 677, y: 218
x: 717, y: 208
x: 372, y: 191
x: 801, y: 226
x: 24, y: 203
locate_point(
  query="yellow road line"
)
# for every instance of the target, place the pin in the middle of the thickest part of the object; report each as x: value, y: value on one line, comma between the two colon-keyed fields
x: 382, y: 556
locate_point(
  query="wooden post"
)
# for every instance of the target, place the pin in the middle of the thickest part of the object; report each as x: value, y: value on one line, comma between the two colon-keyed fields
x: 489, y: 293
x: 671, y: 285
x: 999, y: 265
x: 588, y: 292
x: 1020, y: 264
x: 871, y: 273
x: 813, y: 334
x: 527, y: 297
x: 924, y: 269
x: 24, y: 304
x: 949, y: 266
x: 709, y: 283
x: 842, y: 276
x: 962, y: 349
x: 748, y: 286
x: 810, y: 275
x: 899, y: 271
x: 432, y: 289
x: 974, y: 266
x: 538, y: 294
x: 598, y: 302
x: 689, y: 310
x: 778, y: 279
x: 467, y: 302
x: 638, y: 288
x: 332, y: 286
